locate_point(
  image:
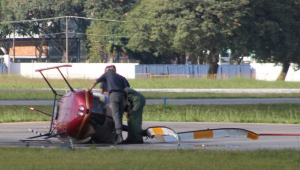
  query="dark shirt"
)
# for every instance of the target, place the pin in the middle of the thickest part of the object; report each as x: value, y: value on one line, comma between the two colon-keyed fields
x: 114, y: 81
x: 103, y: 85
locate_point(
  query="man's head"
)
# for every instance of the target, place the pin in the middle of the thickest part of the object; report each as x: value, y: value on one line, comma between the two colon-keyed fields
x: 110, y: 68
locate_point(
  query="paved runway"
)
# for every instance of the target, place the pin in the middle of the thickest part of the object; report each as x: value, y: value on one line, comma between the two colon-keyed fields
x: 11, y: 132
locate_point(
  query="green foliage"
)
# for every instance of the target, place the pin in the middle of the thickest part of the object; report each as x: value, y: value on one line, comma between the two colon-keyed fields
x: 276, y: 32
x: 184, y: 26
x: 158, y: 28
x: 54, y: 28
x: 107, y: 37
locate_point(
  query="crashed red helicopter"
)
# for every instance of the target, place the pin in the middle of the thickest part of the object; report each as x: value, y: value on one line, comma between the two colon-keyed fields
x: 86, y: 117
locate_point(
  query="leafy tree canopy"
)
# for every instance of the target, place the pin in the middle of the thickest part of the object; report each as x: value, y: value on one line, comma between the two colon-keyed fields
x: 39, y: 9
x: 273, y: 27
x: 107, y: 37
x: 184, y: 25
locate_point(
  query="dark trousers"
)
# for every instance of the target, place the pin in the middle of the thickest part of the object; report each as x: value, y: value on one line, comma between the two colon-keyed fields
x: 135, y: 118
x: 117, y: 106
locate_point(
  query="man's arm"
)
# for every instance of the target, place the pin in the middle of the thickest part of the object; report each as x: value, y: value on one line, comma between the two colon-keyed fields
x: 126, y: 94
x: 93, y: 85
x: 100, y: 79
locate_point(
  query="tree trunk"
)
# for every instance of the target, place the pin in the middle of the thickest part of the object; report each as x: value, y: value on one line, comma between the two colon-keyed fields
x: 212, y: 71
x: 153, y: 60
x: 213, y: 65
x: 285, y: 69
x: 40, y: 55
x: 187, y: 57
x: 64, y: 58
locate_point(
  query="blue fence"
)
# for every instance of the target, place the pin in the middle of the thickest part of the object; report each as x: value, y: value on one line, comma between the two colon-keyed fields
x: 197, y: 71
x: 3, y: 69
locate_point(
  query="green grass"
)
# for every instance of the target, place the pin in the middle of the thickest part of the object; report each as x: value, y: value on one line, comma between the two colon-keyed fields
x: 48, y: 95
x: 18, y: 82
x: 28, y: 95
x: 37, y: 158
x: 8, y: 81
x: 256, y: 113
x: 23, y: 114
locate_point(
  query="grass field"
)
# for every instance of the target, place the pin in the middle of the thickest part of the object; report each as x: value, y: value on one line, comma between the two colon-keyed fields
x: 8, y: 81
x: 36, y: 95
x: 30, y: 159
x: 256, y: 113
x: 37, y: 158
x: 17, y: 82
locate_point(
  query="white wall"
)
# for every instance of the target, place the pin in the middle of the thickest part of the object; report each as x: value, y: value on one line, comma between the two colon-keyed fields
x: 270, y: 72
x: 78, y: 70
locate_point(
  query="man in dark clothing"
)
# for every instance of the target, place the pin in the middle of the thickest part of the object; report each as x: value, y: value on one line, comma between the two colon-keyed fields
x: 134, y: 116
x: 116, y: 87
x: 104, y: 90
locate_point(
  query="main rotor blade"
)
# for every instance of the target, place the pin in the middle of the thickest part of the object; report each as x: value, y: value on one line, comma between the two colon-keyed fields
x: 279, y: 134
x: 219, y: 133
x: 167, y: 135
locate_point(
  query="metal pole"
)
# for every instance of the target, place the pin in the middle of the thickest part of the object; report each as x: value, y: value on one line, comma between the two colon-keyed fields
x: 14, y: 46
x: 67, y: 41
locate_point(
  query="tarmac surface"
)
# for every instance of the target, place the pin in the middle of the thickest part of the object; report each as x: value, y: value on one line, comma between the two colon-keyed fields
x: 10, y: 133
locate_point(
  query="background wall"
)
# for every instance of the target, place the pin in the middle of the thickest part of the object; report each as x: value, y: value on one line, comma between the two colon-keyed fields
x: 3, y: 69
x: 268, y: 72
x: 78, y: 70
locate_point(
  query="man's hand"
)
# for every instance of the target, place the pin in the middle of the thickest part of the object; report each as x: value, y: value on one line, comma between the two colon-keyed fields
x: 126, y: 108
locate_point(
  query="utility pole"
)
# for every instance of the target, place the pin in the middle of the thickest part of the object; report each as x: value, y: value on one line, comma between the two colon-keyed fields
x: 14, y: 46
x: 67, y: 41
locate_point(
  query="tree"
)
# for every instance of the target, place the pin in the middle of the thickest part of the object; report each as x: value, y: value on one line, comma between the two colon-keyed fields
x: 275, y: 32
x: 4, y: 29
x: 53, y: 28
x: 186, y: 26
x: 103, y: 36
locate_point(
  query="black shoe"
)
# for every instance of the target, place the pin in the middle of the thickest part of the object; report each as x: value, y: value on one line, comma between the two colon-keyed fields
x: 118, y: 139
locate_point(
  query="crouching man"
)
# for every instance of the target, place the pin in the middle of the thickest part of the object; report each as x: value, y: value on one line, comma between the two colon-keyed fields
x: 134, y: 116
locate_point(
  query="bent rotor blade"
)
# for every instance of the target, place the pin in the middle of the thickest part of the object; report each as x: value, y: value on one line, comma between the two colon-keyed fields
x: 164, y: 134
x: 168, y: 135
x: 218, y: 133
x: 279, y: 134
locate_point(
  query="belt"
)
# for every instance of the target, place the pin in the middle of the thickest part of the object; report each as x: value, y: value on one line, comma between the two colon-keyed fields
x: 112, y: 91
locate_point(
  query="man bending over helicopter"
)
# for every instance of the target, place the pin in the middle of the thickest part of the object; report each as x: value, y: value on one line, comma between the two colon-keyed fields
x: 134, y: 109
x: 116, y: 87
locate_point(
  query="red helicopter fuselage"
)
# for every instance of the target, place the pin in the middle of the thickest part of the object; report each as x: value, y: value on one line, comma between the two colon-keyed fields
x: 74, y: 114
